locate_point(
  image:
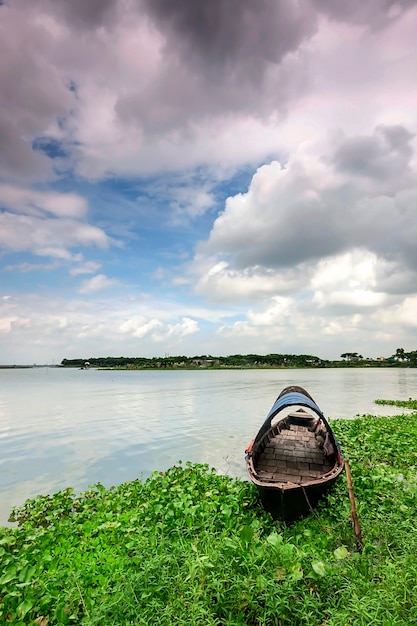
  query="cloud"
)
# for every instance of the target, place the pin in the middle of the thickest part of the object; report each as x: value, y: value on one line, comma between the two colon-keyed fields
x: 139, y: 326
x: 155, y: 87
x: 24, y: 268
x: 33, y: 93
x: 88, y: 267
x: 186, y: 326
x: 175, y: 104
x: 402, y: 316
x: 45, y: 329
x: 346, y: 286
x: 77, y: 13
x: 224, y: 283
x: 317, y: 208
x: 374, y: 13
x: 33, y: 202
x: 190, y: 202
x: 279, y: 222
x: 233, y: 35
x: 48, y: 237
x: 46, y: 223
x: 384, y: 155
x: 97, y: 283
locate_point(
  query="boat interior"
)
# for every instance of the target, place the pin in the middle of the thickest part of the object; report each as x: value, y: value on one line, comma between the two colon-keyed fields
x: 293, y: 451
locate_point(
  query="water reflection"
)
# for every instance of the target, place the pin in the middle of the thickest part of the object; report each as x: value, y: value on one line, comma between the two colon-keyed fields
x: 64, y: 428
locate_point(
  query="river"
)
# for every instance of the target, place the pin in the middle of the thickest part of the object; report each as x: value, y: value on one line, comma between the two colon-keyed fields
x: 65, y: 427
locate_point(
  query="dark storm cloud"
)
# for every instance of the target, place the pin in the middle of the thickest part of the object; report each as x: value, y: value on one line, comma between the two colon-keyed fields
x: 373, y: 13
x: 216, y: 60
x: 221, y: 57
x: 32, y: 94
x: 84, y: 14
x: 16, y: 160
x: 384, y: 155
x: 232, y: 32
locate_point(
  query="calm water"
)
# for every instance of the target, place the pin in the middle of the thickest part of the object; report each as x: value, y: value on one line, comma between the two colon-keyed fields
x: 62, y: 428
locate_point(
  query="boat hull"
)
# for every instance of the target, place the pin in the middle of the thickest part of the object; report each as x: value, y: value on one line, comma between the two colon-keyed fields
x: 295, y: 458
x: 289, y: 506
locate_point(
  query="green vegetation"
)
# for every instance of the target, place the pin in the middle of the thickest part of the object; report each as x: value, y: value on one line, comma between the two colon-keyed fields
x: 408, y: 404
x: 191, y: 547
x: 198, y: 362
x: 349, y: 359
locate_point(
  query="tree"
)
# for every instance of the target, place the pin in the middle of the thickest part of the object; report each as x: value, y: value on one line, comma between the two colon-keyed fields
x: 350, y: 356
x: 400, y: 354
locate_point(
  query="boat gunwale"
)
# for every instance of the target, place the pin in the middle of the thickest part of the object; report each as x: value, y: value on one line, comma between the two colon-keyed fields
x: 281, y: 485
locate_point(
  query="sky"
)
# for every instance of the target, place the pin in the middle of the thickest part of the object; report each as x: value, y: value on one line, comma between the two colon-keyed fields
x: 207, y: 177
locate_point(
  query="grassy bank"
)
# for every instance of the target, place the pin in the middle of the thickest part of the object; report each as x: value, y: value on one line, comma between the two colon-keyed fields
x: 191, y: 547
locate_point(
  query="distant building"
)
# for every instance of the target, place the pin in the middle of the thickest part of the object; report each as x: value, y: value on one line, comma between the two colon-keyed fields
x: 205, y: 362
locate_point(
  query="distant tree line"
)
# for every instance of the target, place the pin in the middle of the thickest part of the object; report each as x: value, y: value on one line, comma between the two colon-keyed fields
x: 235, y: 360
x: 401, y: 358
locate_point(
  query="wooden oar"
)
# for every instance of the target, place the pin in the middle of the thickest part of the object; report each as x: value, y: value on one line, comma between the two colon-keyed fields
x: 355, y: 520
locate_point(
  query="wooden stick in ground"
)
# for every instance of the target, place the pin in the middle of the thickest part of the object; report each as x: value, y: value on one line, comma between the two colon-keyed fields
x: 355, y: 520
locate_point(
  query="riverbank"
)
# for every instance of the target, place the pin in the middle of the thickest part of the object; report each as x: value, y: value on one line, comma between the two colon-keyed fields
x: 191, y: 547
x: 239, y: 361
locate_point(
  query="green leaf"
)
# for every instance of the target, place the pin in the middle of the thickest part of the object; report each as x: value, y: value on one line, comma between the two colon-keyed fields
x: 9, y: 574
x: 319, y: 568
x: 230, y: 543
x: 341, y: 553
x: 274, y: 540
x: 297, y: 572
x: 26, y: 574
x: 24, y: 607
x: 246, y: 534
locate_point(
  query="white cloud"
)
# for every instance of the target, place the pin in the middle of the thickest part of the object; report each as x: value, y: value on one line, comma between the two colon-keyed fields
x: 186, y: 326
x: 97, y: 283
x: 352, y: 269
x: 224, y: 283
x: 87, y: 267
x: 402, y: 316
x: 138, y: 326
x: 43, y: 329
x: 33, y: 267
x: 191, y: 202
x: 38, y: 203
x: 348, y: 281
x: 356, y: 298
x: 46, y: 223
x: 48, y: 237
x: 316, y: 208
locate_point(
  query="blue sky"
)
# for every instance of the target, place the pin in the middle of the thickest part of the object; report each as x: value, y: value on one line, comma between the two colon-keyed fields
x: 207, y: 178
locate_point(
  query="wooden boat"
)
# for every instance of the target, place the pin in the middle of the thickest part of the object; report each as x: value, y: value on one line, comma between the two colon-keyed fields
x: 295, y: 457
